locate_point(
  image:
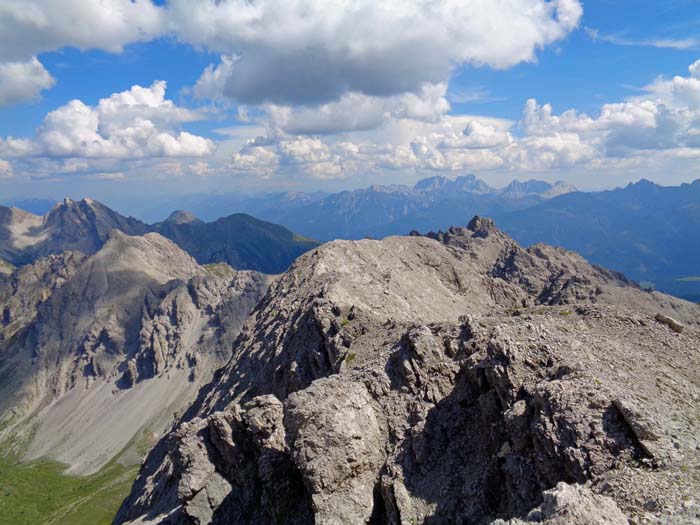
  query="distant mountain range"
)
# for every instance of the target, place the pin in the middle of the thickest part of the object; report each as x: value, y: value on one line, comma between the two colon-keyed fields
x: 242, y: 241
x: 378, y: 211
x: 647, y: 231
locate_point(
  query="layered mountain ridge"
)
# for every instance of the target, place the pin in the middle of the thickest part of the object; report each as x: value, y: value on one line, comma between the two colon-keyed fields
x: 84, y: 226
x: 453, y: 377
x: 378, y: 211
x: 239, y: 240
x: 643, y: 229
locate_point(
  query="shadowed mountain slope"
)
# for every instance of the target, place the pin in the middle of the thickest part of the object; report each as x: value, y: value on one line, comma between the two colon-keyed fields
x: 239, y: 240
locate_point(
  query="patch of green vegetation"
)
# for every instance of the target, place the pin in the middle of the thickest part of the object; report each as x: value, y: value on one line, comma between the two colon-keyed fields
x: 350, y: 357
x: 344, y: 322
x: 647, y: 286
x: 300, y: 238
x: 218, y: 269
x: 40, y: 493
x: 689, y: 279
x: 566, y: 312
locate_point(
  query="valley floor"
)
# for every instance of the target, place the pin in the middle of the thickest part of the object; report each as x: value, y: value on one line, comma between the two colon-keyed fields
x: 39, y: 493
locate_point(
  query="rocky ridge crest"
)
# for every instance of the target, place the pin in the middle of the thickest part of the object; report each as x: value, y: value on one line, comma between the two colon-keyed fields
x: 454, y: 377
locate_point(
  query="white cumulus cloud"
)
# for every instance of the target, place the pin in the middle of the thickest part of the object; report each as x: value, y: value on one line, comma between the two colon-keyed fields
x: 661, y: 124
x: 136, y: 123
x: 314, y: 51
x: 31, y: 27
x: 23, y: 81
x: 356, y: 112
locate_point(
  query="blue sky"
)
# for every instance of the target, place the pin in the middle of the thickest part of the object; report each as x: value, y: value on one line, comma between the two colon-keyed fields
x: 305, y: 100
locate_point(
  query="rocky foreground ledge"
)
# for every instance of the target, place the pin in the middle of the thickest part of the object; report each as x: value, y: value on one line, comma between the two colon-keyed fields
x: 448, y: 378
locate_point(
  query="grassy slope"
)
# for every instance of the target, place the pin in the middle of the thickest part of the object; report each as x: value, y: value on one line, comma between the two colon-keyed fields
x: 38, y: 492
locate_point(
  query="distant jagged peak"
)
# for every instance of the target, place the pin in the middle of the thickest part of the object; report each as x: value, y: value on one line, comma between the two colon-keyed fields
x: 182, y: 217
x: 67, y: 202
x: 83, y: 204
x: 391, y: 188
x: 473, y: 184
x: 431, y: 183
x: 89, y: 215
x: 71, y: 207
x: 469, y: 183
x: 518, y: 187
x: 560, y: 188
x: 642, y: 184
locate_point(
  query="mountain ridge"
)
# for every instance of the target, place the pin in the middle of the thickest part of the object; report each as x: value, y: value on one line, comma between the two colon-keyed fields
x: 642, y: 229
x: 85, y: 226
x: 453, y: 377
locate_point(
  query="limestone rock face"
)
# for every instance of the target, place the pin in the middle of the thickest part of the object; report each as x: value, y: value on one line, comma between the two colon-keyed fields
x: 454, y: 378
x: 24, y: 290
x: 100, y: 350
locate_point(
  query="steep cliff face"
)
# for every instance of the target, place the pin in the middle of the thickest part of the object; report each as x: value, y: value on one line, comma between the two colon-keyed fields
x: 442, y: 379
x: 24, y: 290
x: 98, y: 350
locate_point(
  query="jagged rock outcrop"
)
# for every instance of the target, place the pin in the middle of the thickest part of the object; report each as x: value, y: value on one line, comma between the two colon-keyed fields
x: 454, y: 378
x: 99, y: 350
x: 572, y: 505
x: 5, y: 269
x: 25, y: 289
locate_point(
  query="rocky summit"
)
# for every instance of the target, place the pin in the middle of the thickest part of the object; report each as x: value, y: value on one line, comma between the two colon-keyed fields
x: 453, y: 377
x: 99, y: 352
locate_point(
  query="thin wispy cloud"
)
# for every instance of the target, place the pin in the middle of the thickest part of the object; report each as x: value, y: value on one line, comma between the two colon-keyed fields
x: 680, y: 44
x: 472, y: 95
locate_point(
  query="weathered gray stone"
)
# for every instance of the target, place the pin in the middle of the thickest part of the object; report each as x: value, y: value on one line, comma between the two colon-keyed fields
x: 451, y: 379
x: 97, y: 350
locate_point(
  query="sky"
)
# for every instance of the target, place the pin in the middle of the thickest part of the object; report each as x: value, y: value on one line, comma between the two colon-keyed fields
x: 134, y: 100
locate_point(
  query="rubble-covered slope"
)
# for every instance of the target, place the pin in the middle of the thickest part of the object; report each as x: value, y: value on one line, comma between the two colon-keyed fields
x: 453, y: 378
x: 99, y: 350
